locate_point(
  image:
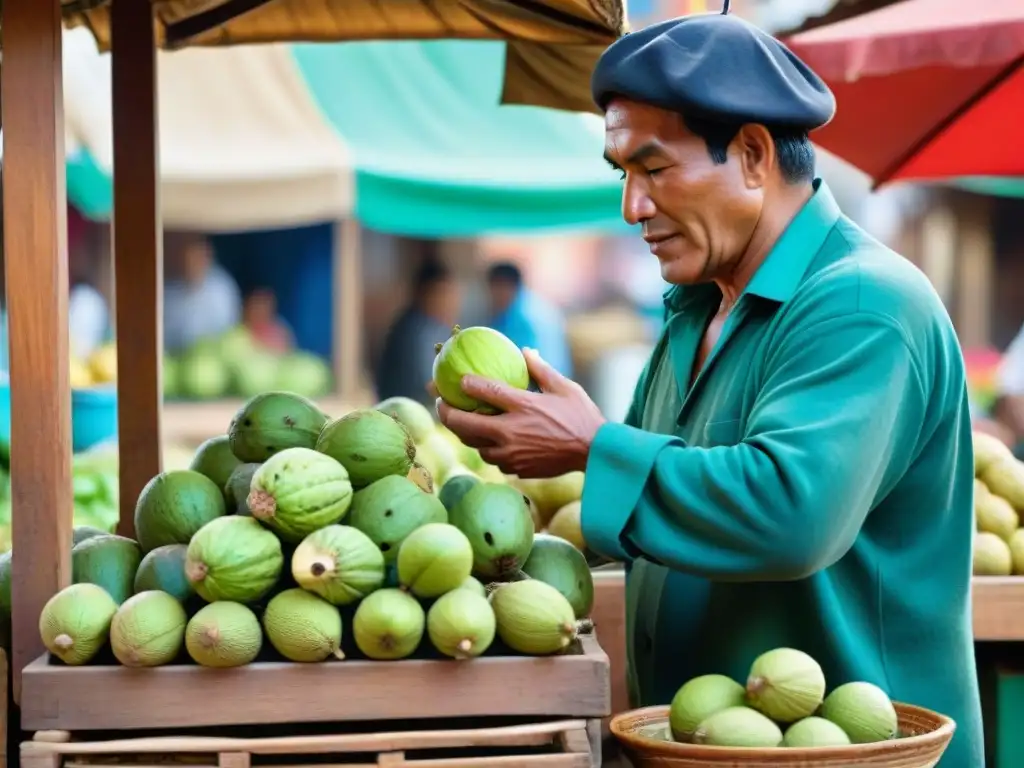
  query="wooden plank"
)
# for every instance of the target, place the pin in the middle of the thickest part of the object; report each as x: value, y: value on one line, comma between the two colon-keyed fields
x: 138, y: 251
x: 58, y: 697
x: 36, y: 266
x: 998, y: 607
x: 609, y: 615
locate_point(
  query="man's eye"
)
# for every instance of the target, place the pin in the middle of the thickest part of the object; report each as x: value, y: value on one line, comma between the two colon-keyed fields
x: 654, y: 171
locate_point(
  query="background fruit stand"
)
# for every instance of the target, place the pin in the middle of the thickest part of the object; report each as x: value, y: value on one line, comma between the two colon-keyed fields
x: 547, y: 64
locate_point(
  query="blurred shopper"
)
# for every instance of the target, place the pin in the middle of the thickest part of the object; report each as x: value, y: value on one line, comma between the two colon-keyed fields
x: 406, y: 365
x: 264, y: 322
x: 200, y: 298
x: 1009, y: 407
x: 527, y: 318
x: 88, y: 313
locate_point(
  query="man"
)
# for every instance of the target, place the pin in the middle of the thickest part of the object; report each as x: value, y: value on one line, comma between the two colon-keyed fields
x: 526, y: 318
x: 200, y: 298
x: 407, y: 363
x: 805, y: 406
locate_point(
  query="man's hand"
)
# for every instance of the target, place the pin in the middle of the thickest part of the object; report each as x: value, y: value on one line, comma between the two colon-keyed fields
x: 539, y: 434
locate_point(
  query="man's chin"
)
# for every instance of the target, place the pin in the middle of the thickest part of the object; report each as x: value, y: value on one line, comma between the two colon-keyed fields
x: 686, y: 271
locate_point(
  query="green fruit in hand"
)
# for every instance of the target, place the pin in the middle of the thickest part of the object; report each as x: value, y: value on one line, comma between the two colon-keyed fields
x: 479, y: 351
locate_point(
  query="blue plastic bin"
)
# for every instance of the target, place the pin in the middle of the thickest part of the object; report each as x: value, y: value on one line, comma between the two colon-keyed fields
x: 93, y: 415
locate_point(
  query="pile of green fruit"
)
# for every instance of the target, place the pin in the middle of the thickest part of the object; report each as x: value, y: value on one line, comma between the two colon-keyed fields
x: 782, y: 705
x: 299, y: 536
x: 998, y: 508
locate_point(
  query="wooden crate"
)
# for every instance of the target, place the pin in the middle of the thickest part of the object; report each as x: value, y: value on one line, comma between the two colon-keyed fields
x: 555, y: 744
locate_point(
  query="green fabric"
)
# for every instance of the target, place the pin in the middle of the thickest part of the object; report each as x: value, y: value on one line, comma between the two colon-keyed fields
x: 436, y: 155
x: 992, y: 185
x: 779, y: 500
x: 90, y: 189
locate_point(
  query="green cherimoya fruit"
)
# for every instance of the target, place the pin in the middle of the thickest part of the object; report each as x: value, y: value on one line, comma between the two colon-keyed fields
x: 388, y: 625
x: 479, y: 351
x: 497, y: 521
x: 700, y: 698
x: 163, y: 569
x: 1005, y: 478
x: 557, y: 562
x: 340, y: 563
x: 303, y: 627
x: 390, y: 509
x: 1016, y: 544
x: 455, y: 488
x: 992, y: 555
x: 988, y: 449
x: 863, y: 711
x: 474, y: 585
x: 422, y: 477
x: 173, y: 506
x: 738, y: 727
x: 461, y: 624
x: 815, y: 732
x: 298, y: 491
x: 75, y: 622
x: 215, y: 459
x: 148, y: 630
x: 82, y: 532
x: 107, y: 561
x: 370, y: 444
x: 236, y: 490
x: 533, y: 617
x: 233, y: 558
x: 993, y: 514
x: 413, y: 415
x: 273, y: 421
x: 434, y: 559
x: 223, y: 634
x: 786, y: 684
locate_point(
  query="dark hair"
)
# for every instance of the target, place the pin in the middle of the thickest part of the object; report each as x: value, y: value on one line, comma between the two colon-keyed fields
x: 505, y: 271
x: 431, y: 272
x: 792, y: 146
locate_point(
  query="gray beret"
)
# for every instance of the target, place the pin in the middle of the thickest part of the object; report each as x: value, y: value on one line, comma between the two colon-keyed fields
x: 714, y: 66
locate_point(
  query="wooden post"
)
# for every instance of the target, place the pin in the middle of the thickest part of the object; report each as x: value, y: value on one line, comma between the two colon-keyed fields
x: 36, y: 259
x: 138, y: 250
x: 348, y: 310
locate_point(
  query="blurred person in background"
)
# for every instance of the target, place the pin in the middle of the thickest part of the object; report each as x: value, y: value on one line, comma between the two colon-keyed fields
x: 527, y: 318
x: 1009, y: 406
x: 88, y: 313
x: 264, y: 323
x: 407, y: 362
x: 200, y: 298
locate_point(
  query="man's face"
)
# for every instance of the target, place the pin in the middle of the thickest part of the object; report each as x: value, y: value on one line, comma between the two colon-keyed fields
x: 502, y: 293
x: 697, y: 216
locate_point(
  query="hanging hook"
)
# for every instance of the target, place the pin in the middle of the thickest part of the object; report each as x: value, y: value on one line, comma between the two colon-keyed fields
x: 725, y: 7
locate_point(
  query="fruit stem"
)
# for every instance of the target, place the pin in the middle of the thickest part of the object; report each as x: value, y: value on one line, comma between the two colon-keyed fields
x: 261, y: 504
x: 462, y: 650
x: 338, y: 654
x: 584, y: 626
x: 64, y: 642
x: 455, y: 329
x: 569, y: 630
x: 195, y: 570
x: 755, y: 684
x: 319, y: 567
x: 438, y: 347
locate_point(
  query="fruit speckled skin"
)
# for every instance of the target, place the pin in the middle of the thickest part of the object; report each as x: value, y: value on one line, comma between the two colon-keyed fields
x: 339, y: 563
x: 223, y: 634
x: 148, y: 630
x: 74, y: 623
x: 272, y: 422
x: 482, y: 352
x: 369, y: 444
x: 303, y: 627
x: 173, y: 506
x: 233, y: 558
x: 391, y: 509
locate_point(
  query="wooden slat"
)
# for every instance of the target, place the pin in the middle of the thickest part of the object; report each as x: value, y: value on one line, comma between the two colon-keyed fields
x: 138, y: 251
x: 36, y: 265
x: 998, y: 608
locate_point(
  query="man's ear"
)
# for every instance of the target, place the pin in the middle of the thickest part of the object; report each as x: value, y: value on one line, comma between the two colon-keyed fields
x: 756, y: 153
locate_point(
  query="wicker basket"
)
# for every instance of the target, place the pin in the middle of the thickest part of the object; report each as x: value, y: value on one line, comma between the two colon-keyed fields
x: 926, y: 736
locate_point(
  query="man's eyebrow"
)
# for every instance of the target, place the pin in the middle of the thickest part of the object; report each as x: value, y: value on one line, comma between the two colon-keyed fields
x: 643, y: 152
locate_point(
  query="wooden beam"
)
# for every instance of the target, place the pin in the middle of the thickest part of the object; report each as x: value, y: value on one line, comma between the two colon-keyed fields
x: 138, y: 249
x: 348, y: 309
x: 36, y: 266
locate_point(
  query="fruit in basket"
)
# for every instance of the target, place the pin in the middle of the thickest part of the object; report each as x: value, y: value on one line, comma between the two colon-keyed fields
x: 415, y: 416
x: 863, y: 711
x: 107, y: 561
x: 786, y: 684
x: 700, y: 698
x: 1005, y: 477
x: 992, y: 556
x: 390, y: 509
x: 388, y: 625
x: 474, y: 585
x: 738, y: 727
x: 298, y: 491
x: 552, y: 493
x: 369, y: 444
x: 814, y: 732
x: 496, y: 519
x: 566, y: 525
x: 173, y: 506
x: 236, y: 490
x: 479, y: 351
x: 303, y: 627
x: 223, y: 634
x: 434, y: 559
x: 461, y: 624
x: 215, y: 460
x: 148, y: 630
x: 75, y: 622
x: 533, y: 617
x: 455, y: 488
x: 273, y: 421
x: 422, y: 477
x: 233, y: 558
x: 987, y: 450
x: 995, y: 515
x: 82, y: 532
x: 163, y: 569
x: 557, y: 562
x: 339, y: 563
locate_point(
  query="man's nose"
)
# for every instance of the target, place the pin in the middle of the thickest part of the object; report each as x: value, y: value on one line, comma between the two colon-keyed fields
x: 637, y: 206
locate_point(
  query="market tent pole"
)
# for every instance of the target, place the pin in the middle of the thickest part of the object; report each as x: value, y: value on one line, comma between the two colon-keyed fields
x: 347, y: 274
x: 138, y: 253
x: 36, y: 264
